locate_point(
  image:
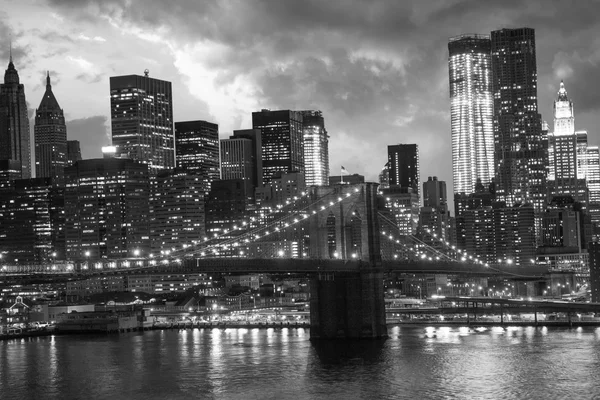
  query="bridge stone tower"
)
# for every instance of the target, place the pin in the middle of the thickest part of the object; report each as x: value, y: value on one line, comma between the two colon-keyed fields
x: 347, y: 305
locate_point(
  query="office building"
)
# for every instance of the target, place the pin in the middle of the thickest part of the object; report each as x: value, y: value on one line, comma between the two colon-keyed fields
x: 282, y: 141
x: 176, y: 210
x: 316, y: 149
x: 251, y: 163
x: 197, y: 150
x: 50, y: 134
x: 403, y: 162
x: 73, y: 152
x: 566, y: 151
x: 14, y: 125
x: 142, y: 120
x: 403, y: 204
x: 226, y: 205
x: 352, y: 179
x: 471, y: 111
x: 433, y: 217
x: 107, y: 209
x: 32, y: 222
x: 519, y: 151
x: 501, y: 234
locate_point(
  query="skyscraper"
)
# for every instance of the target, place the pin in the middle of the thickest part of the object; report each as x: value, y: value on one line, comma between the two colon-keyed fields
x: 316, y: 149
x: 50, y: 134
x: 282, y: 141
x: 14, y: 124
x: 519, y: 153
x: 197, y: 150
x: 471, y: 111
x: 73, y: 152
x: 106, y: 209
x: 403, y: 162
x: 566, y: 150
x: 142, y: 120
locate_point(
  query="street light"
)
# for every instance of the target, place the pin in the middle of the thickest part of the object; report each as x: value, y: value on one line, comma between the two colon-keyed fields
x: 136, y: 252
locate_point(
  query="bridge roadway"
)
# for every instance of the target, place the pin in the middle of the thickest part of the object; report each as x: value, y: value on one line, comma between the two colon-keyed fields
x: 277, y: 265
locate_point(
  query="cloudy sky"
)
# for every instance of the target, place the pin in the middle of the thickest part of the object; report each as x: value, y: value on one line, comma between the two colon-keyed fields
x: 376, y: 68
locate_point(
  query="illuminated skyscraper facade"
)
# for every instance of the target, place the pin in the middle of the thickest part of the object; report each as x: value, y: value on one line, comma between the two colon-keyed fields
x: 142, y: 120
x: 567, y: 150
x: 50, y: 134
x: 316, y: 149
x: 282, y: 142
x: 520, y: 162
x: 197, y: 150
x: 15, y: 146
x: 471, y: 111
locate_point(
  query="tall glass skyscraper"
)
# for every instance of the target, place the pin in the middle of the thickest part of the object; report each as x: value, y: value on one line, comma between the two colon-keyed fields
x: 50, y: 134
x: 15, y: 148
x: 316, y: 149
x: 471, y: 111
x: 520, y: 156
x: 142, y: 120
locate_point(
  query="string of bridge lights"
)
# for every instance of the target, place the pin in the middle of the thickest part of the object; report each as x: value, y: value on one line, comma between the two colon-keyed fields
x: 271, y: 228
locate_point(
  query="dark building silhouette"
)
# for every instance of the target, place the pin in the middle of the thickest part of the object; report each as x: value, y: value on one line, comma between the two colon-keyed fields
x: 32, y: 222
x: 14, y: 125
x: 594, y: 264
x: 226, y: 205
x: 282, y: 141
x: 197, y: 150
x: 107, y: 209
x: 520, y: 156
x: 142, y: 120
x: 346, y: 179
x: 73, y: 152
x: 316, y: 148
x: 403, y: 162
x: 50, y: 134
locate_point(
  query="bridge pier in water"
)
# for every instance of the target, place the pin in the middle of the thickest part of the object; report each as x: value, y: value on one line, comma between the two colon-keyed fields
x: 347, y: 305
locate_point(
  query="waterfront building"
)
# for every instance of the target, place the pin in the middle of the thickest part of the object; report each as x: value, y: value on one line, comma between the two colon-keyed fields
x: 282, y: 187
x: 519, y: 146
x: 32, y: 222
x: 484, y: 196
x: 384, y: 177
x: 73, y: 152
x: 594, y: 265
x: 14, y: 126
x: 107, y: 209
x: 471, y: 111
x: 282, y: 141
x: 316, y: 149
x: 197, y: 150
x: 142, y: 120
x: 176, y: 210
x: 50, y: 134
x: 403, y: 162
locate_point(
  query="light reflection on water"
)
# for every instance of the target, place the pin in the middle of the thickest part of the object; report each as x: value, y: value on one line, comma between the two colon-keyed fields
x: 432, y: 362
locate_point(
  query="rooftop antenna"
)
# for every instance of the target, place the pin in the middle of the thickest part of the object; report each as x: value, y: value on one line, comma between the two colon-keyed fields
x: 146, y: 72
x: 10, y: 48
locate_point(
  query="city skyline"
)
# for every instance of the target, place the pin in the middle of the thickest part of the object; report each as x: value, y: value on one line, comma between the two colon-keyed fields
x: 385, y: 82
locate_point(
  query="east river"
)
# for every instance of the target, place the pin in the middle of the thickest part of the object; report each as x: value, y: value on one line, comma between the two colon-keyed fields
x: 414, y: 363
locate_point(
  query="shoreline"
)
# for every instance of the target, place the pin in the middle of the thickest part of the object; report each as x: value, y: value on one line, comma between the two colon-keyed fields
x: 423, y: 324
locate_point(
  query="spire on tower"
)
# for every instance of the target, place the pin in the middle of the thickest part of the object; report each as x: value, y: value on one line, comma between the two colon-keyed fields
x: 48, y: 80
x: 562, y: 92
x: 10, y: 49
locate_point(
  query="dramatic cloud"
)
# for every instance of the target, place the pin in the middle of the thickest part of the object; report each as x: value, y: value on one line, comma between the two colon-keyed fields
x: 92, y: 133
x: 377, y: 69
